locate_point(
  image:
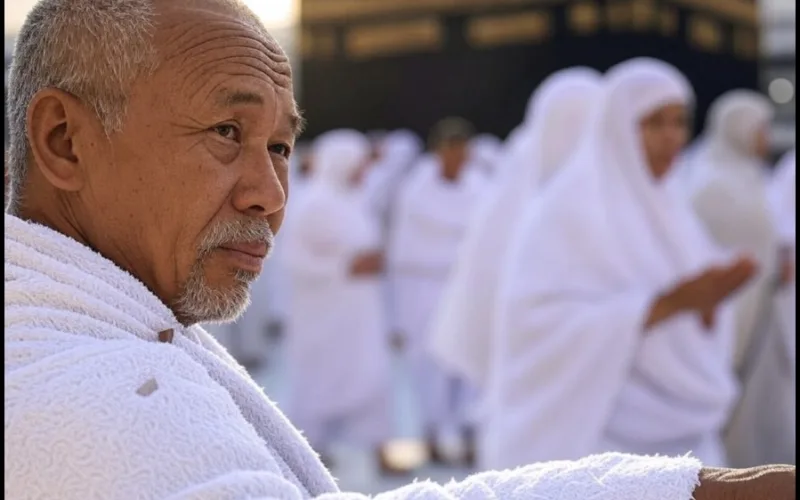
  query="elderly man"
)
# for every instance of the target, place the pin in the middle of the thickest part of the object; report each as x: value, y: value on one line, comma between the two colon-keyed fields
x: 149, y: 147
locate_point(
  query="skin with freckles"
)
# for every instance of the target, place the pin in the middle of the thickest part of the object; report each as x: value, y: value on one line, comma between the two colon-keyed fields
x: 187, y: 195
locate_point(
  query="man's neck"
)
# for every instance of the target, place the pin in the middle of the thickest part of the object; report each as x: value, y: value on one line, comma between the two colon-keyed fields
x: 57, y: 222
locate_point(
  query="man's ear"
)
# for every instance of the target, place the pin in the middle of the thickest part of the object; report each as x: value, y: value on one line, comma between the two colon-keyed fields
x: 54, y: 118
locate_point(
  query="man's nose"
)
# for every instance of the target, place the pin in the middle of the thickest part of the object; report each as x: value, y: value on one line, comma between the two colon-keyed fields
x: 259, y: 191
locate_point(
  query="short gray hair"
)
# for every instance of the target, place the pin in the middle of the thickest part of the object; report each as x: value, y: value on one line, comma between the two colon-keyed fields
x: 93, y: 49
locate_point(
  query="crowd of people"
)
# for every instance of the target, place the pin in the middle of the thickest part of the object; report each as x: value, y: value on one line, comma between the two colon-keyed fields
x: 589, y: 284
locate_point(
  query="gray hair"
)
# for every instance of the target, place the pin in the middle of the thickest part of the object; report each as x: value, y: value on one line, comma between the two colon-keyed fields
x: 93, y: 49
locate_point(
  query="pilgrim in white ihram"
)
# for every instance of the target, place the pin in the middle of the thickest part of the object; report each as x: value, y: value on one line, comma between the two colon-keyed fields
x: 557, y: 112
x: 580, y: 366
x: 337, y: 336
x: 433, y: 210
x: 728, y: 187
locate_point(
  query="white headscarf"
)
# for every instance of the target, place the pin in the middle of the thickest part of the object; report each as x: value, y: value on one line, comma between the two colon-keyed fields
x: 727, y: 147
x: 400, y: 148
x: 559, y: 109
x: 573, y: 365
x: 338, y: 154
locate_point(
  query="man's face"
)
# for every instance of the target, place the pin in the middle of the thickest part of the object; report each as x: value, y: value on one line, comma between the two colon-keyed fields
x: 193, y: 187
x: 454, y: 155
x: 664, y: 134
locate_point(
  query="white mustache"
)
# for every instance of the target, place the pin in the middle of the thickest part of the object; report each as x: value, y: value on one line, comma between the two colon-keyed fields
x: 239, y: 231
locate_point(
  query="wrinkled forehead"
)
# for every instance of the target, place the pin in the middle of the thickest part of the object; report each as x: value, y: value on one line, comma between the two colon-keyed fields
x: 198, y: 38
x: 215, y: 56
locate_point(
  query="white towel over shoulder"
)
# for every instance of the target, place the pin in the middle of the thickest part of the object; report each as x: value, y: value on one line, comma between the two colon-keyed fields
x: 97, y: 408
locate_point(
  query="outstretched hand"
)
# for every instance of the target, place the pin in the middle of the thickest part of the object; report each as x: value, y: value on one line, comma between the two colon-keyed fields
x: 705, y: 292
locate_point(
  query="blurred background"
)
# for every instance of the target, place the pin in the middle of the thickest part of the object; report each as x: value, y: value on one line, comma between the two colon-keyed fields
x: 387, y: 64
x: 382, y: 65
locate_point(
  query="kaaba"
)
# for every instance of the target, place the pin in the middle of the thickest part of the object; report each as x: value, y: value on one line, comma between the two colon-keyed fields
x: 384, y: 64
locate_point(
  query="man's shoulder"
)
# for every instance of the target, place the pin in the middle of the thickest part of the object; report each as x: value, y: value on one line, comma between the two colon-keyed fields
x: 86, y: 368
x: 110, y: 388
x: 110, y: 409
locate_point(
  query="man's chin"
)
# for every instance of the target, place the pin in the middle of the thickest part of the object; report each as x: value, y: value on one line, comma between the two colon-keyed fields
x: 216, y: 305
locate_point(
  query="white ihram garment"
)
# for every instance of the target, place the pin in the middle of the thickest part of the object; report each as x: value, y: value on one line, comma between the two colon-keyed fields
x: 337, y: 340
x: 729, y: 192
x: 398, y: 151
x: 783, y: 187
x: 484, y: 153
x: 462, y: 331
x: 576, y: 372
x: 430, y: 220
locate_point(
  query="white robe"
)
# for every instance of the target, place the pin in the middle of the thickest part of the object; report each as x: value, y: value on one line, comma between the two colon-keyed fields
x: 96, y: 408
x: 730, y: 194
x: 398, y: 151
x: 337, y: 334
x: 462, y: 330
x: 430, y: 220
x: 575, y: 371
x: 727, y: 188
x: 484, y: 153
x: 783, y: 187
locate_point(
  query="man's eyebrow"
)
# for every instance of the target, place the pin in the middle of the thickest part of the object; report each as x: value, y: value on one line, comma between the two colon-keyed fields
x: 229, y: 98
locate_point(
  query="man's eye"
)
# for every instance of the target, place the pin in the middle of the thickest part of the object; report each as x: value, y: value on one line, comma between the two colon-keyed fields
x: 281, y: 149
x: 230, y: 132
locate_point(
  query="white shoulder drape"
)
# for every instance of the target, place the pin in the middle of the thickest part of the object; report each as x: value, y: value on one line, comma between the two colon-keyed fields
x: 428, y: 226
